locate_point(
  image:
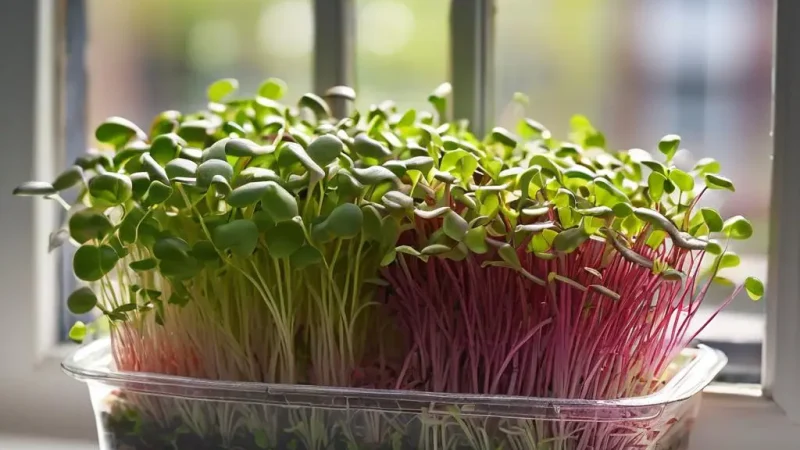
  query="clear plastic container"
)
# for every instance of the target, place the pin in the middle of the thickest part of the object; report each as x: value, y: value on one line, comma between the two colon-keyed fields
x: 137, y: 411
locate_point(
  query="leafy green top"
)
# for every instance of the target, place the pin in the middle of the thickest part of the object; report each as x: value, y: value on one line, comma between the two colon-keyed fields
x: 253, y: 174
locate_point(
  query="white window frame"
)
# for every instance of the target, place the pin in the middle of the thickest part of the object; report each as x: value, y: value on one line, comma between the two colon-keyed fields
x: 36, y: 398
x: 781, y: 364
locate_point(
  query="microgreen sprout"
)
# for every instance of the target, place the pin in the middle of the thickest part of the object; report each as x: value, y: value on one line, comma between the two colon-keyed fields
x: 262, y: 241
x: 556, y: 269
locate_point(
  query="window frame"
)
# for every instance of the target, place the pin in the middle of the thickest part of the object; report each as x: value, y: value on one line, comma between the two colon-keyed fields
x: 780, y: 374
x: 48, y: 403
x: 45, y: 401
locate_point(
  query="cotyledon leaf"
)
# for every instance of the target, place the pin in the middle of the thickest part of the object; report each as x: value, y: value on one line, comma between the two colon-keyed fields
x: 298, y: 153
x: 278, y: 203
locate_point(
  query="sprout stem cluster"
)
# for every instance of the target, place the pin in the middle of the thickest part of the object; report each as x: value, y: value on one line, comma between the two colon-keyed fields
x: 260, y: 241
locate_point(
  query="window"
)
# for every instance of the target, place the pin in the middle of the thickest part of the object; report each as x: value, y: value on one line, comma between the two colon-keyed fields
x: 700, y: 68
x: 395, y: 39
x: 641, y: 69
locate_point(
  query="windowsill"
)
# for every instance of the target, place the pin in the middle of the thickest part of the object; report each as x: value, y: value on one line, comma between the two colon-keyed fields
x: 14, y: 442
x: 734, y: 418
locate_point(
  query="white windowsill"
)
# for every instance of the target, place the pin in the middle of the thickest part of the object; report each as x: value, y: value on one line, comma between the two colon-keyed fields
x: 745, y: 422
x: 13, y: 442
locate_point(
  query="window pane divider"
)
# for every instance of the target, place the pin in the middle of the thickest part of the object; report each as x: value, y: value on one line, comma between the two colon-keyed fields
x: 472, y: 62
x: 334, y: 48
x: 781, y: 363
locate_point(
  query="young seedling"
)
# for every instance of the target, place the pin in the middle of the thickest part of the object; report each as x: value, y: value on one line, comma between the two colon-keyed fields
x: 259, y: 241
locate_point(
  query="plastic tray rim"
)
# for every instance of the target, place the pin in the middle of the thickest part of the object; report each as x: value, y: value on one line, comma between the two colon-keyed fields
x: 91, y: 363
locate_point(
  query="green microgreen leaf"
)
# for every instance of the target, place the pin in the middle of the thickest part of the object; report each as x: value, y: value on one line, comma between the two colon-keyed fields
x: 656, y: 166
x: 712, y: 219
x: 220, y: 186
x: 127, y: 228
x: 90, y: 263
x: 248, y: 194
x: 718, y: 182
x: 291, y: 152
x: 706, y: 165
x: 217, y: 150
x: 181, y: 168
x: 580, y: 172
x: 682, y: 180
x: 374, y: 175
x: 245, y: 148
x: 34, y: 188
x: 344, y: 222
x: 455, y: 226
x: 372, y: 226
x: 179, y: 270
x: 316, y: 104
x: 143, y: 265
x: 370, y: 148
x: 305, y: 256
x: 165, y: 122
x: 203, y: 250
x: 656, y: 238
x: 81, y: 301
x: 531, y: 129
x: 140, y: 182
x: 669, y: 144
x: 754, y: 288
x: 438, y: 98
x: 77, y: 333
x: 118, y: 131
x: 153, y: 169
x: 713, y: 247
x: 476, y: 240
x: 68, y: 178
x: 110, y: 189
x: 608, y: 194
x: 389, y: 257
x: 737, y: 227
x: 569, y: 240
x: 728, y: 260
x: 273, y: 89
x: 325, y: 149
x: 278, y: 203
x: 435, y: 249
x: 207, y: 170
x: 171, y: 248
x: 88, y: 224
x: 655, y: 186
x: 504, y: 137
x: 285, y: 239
x: 239, y: 236
x: 397, y: 200
x: 196, y: 132
x: 342, y: 92
x: 622, y: 209
x: 156, y: 194
x: 220, y: 89
x: 166, y: 147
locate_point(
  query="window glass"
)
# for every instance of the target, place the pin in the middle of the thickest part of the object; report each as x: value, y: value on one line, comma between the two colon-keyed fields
x: 401, y: 50
x: 150, y: 55
x: 640, y: 69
